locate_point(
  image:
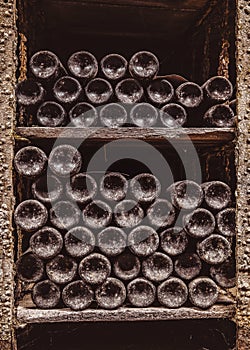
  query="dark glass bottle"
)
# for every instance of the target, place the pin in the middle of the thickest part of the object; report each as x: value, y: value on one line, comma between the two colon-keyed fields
x: 144, y: 115
x: 61, y: 269
x: 46, y: 243
x: 29, y: 93
x: 111, y: 294
x: 217, y: 194
x: 145, y: 187
x: 143, y: 65
x: 114, y: 66
x: 94, y: 269
x: 65, y: 160
x: 174, y: 241
x: 47, y: 188
x: 173, y: 115
x: 98, y: 91
x: 83, y: 115
x: 79, y: 242
x: 128, y: 213
x: 51, y: 114
x: 112, y: 241
x: 187, y: 266
x: 199, y: 223
x: 126, y: 266
x: 214, y: 249
x: 30, y: 215
x: 30, y: 161
x: 64, y: 215
x: 83, y: 65
x: 129, y: 91
x: 97, y: 214
x: 113, y: 186
x: 77, y: 295
x: 46, y: 294
x: 143, y: 241
x: 160, y: 91
x: 67, y: 90
x: 113, y: 115
x: 141, y: 292
x: 157, y: 267
x: 30, y: 268
x: 203, y: 292
x: 172, y: 293
x: 81, y: 188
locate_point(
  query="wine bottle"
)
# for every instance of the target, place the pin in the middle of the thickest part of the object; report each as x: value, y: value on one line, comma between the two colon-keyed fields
x: 30, y: 215
x: 83, y: 65
x: 129, y: 91
x: 79, y: 242
x: 64, y: 215
x: 112, y: 241
x: 29, y: 92
x: 143, y: 241
x: 157, y: 267
x: 98, y: 91
x: 67, y: 90
x: 145, y: 187
x: 45, y: 65
x: 113, y: 186
x: 172, y: 293
x: 30, y: 268
x: 160, y: 91
x: 175, y: 80
x: 126, y: 266
x: 161, y: 213
x: 214, y: 249
x: 46, y: 243
x: 189, y: 94
x: 113, y: 115
x: 174, y: 241
x: 143, y: 65
x: 83, y: 115
x: 47, y: 188
x: 203, y: 292
x: 141, y: 293
x: 97, y: 214
x: 77, y: 295
x: 218, y: 89
x: 187, y: 266
x: 114, y: 66
x: 46, y: 294
x: 143, y: 115
x: 220, y: 116
x: 51, y: 114
x: 128, y: 213
x: 65, y: 160
x: 173, y: 115
x: 94, y: 269
x: 224, y: 274
x: 61, y: 269
x: 111, y: 294
x: 199, y: 223
x: 226, y: 222
x: 217, y: 194
x: 81, y: 188
x: 30, y: 161
x: 186, y: 194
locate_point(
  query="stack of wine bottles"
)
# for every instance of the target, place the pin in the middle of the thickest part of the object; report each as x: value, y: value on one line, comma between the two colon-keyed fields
x: 120, y: 241
x: 123, y: 94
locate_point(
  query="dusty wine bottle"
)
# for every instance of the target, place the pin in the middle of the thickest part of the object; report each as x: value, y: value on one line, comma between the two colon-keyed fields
x: 174, y: 241
x: 46, y: 243
x: 217, y: 194
x: 83, y: 65
x: 161, y: 213
x: 187, y: 266
x: 98, y: 91
x: 145, y: 187
x: 112, y: 241
x: 65, y: 160
x: 45, y: 65
x: 47, y: 189
x: 30, y: 215
x: 81, y: 188
x: 46, y: 294
x: 114, y: 66
x: 64, y: 215
x: 173, y: 115
x: 214, y: 249
x: 189, y: 94
x: 224, y: 274
x: 220, y: 116
x: 172, y: 293
x: 30, y: 268
x: 143, y: 115
x: 218, y: 88
x: 111, y: 294
x: 51, y: 114
x: 83, y: 115
x: 129, y: 91
x: 113, y: 115
x: 79, y: 241
x: 67, y: 90
x: 203, y: 292
x: 126, y: 266
x: 141, y: 292
x: 185, y: 194
x: 157, y: 267
x: 97, y: 214
x: 61, y: 269
x: 175, y: 80
x: 226, y: 222
x: 160, y: 91
x: 143, y: 65
x: 113, y: 186
x: 128, y: 213
x: 199, y: 223
x: 29, y: 92
x: 30, y: 161
x: 77, y: 295
x: 143, y: 241
x: 94, y: 269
